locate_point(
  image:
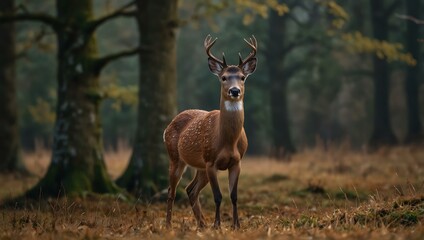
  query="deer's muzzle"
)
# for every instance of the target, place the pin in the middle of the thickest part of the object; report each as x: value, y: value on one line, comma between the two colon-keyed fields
x: 234, y: 92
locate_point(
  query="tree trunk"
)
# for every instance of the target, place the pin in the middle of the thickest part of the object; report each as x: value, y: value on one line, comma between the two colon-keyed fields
x: 147, y: 172
x: 77, y: 160
x: 281, y: 138
x: 382, y: 133
x: 414, y: 132
x: 9, y: 130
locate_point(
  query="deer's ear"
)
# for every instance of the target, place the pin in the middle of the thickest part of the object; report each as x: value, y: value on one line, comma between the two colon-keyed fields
x: 215, y: 67
x: 250, y: 66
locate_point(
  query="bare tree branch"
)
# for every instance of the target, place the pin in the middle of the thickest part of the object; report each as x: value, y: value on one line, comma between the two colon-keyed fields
x: 51, y: 21
x: 100, y: 63
x: 121, y: 12
x: 410, y: 18
x: 30, y: 43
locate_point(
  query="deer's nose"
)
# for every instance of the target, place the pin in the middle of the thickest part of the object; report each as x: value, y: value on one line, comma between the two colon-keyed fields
x: 234, y: 92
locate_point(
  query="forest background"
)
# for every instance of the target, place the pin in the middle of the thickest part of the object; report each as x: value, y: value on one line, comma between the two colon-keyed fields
x: 329, y: 86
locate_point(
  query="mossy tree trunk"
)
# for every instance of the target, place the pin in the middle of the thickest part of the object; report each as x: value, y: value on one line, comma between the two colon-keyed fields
x: 147, y: 172
x: 412, y: 84
x: 279, y: 77
x: 77, y: 160
x: 10, y: 159
x: 77, y: 164
x: 382, y: 130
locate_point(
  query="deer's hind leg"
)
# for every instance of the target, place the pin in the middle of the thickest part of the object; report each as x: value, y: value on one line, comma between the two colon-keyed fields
x: 193, y: 190
x: 176, y: 170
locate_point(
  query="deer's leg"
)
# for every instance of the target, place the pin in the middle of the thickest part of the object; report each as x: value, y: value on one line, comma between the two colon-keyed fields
x: 233, y: 176
x: 193, y: 190
x: 211, y: 173
x: 176, y: 170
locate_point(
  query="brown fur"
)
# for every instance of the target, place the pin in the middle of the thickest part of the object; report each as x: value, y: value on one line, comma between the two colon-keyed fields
x: 211, y: 141
x: 197, y: 138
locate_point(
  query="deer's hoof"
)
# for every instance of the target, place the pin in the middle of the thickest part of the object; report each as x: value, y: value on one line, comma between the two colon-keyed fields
x: 201, y: 225
x: 235, y: 226
x: 217, y: 226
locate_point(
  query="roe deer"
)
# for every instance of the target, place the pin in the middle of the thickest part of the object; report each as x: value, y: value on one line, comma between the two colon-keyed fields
x: 211, y: 141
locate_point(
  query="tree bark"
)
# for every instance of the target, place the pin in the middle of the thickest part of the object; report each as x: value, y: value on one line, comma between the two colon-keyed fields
x: 281, y: 138
x: 382, y: 133
x: 414, y: 133
x: 9, y: 129
x: 77, y: 160
x: 147, y: 172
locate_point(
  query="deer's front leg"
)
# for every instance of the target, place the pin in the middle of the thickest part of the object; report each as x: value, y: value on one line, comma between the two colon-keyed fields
x: 211, y: 172
x: 233, y: 176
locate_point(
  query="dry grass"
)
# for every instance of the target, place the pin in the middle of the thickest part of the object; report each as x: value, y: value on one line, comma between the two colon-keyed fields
x: 318, y: 194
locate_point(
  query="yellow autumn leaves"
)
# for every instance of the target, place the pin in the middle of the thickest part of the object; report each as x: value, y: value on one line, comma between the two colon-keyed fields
x: 252, y: 8
x: 357, y: 43
x: 121, y: 95
x: 339, y: 14
x: 42, y: 111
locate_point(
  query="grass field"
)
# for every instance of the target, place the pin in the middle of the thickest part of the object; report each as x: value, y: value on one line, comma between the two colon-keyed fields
x: 334, y: 194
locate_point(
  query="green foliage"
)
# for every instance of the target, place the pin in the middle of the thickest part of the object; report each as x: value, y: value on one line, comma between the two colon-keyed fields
x: 383, y: 214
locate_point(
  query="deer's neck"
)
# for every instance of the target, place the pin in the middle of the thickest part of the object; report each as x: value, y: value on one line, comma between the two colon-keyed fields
x: 231, y: 121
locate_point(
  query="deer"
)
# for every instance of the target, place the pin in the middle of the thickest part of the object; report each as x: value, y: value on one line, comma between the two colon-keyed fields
x: 211, y: 141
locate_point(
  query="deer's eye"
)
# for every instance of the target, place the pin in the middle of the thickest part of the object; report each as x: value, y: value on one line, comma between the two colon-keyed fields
x: 243, y: 78
x: 224, y: 78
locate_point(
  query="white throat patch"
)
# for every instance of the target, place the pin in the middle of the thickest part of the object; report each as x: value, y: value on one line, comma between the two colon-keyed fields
x: 233, y: 106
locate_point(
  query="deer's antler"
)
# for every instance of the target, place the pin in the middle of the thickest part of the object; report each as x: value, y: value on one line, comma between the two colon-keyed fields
x: 208, y: 43
x: 254, y: 45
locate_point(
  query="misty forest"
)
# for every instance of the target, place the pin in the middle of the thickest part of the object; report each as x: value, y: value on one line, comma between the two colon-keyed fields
x: 330, y: 94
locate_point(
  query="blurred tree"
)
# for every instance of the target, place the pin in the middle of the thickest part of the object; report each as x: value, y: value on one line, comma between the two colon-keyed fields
x: 414, y: 131
x: 278, y: 48
x: 77, y: 160
x: 9, y: 130
x: 298, y: 42
x: 382, y: 133
x: 147, y: 172
x: 383, y: 52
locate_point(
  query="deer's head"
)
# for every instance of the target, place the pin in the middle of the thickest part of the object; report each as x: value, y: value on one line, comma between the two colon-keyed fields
x: 232, y: 77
